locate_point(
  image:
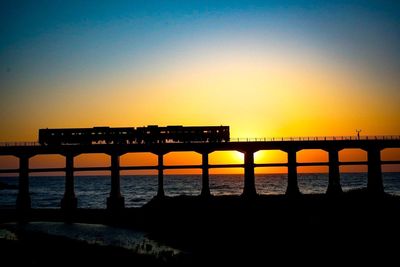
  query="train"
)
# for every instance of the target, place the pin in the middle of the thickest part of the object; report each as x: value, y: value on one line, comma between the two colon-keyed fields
x: 150, y: 134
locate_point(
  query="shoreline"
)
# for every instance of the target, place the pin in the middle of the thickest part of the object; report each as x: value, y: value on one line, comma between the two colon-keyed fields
x: 232, y: 228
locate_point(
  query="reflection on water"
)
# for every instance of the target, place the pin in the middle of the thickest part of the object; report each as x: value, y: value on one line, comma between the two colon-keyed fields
x: 136, y: 241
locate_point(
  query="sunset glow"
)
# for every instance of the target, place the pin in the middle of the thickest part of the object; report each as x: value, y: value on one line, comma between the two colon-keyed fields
x: 265, y: 68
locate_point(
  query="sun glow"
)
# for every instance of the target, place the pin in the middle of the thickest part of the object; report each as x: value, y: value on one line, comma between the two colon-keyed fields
x: 239, y: 156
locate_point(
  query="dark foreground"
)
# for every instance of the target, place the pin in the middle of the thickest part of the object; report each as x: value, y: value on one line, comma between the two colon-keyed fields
x: 308, y: 229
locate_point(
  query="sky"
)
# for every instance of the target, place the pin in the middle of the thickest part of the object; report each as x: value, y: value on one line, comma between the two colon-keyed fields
x: 265, y: 68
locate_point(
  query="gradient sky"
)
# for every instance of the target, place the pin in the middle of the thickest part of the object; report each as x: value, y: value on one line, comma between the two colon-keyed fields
x: 265, y: 68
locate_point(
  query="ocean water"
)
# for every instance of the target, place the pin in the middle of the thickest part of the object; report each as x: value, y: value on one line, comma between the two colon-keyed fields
x: 92, y: 191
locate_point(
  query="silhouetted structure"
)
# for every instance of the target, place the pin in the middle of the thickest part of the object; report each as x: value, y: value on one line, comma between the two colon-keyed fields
x: 131, y: 135
x: 115, y: 200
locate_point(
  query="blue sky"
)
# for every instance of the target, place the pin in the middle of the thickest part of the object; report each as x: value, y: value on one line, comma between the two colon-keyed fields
x: 78, y: 32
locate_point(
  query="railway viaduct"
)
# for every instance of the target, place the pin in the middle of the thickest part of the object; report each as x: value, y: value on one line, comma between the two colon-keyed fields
x: 332, y: 145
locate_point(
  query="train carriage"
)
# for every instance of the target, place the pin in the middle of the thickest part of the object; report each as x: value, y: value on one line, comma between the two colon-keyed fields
x: 129, y: 135
x: 87, y: 136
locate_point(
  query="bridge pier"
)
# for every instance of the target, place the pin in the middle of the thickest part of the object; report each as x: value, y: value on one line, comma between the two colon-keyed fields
x: 375, y: 182
x: 292, y: 185
x: 205, y: 187
x: 249, y: 189
x: 69, y: 201
x: 334, y: 187
x: 23, y: 198
x: 160, y: 190
x: 115, y: 201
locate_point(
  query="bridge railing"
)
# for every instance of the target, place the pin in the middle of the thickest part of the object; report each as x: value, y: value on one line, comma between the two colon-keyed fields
x: 257, y: 139
x: 316, y: 138
x: 19, y: 143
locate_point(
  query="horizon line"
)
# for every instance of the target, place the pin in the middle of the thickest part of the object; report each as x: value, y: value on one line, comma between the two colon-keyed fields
x: 183, y: 174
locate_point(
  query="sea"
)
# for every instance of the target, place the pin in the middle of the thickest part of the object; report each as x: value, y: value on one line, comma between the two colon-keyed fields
x: 92, y: 191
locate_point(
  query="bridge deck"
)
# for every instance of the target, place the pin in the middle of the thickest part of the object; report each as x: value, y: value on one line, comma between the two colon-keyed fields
x: 242, y: 146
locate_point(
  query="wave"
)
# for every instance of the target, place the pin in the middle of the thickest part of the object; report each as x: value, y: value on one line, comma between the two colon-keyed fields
x: 92, y: 191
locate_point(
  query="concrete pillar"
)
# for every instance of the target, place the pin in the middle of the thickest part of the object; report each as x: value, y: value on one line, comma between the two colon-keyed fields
x: 115, y: 201
x: 160, y: 191
x: 205, y: 188
x: 69, y: 201
x: 23, y: 197
x: 334, y: 186
x: 292, y: 186
x: 249, y: 177
x: 375, y: 182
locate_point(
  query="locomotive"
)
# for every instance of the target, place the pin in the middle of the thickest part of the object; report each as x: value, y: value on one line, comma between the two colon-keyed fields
x: 130, y: 135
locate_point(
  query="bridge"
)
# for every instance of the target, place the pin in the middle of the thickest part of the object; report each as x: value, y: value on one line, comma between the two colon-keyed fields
x: 373, y: 145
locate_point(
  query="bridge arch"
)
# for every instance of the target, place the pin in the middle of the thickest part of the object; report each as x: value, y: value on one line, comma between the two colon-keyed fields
x: 9, y: 181
x: 92, y: 160
x: 390, y: 155
x: 271, y: 169
x: 232, y: 178
x: 8, y: 162
x: 138, y: 177
x: 356, y: 155
x: 312, y: 156
x: 313, y: 171
x: 391, y: 168
x: 183, y: 158
x: 225, y: 157
x: 44, y: 182
x: 138, y: 159
x: 84, y: 163
x: 353, y: 168
x: 180, y: 169
x: 45, y: 161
